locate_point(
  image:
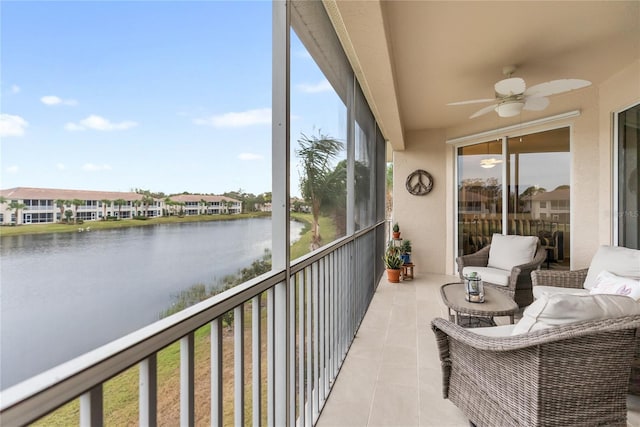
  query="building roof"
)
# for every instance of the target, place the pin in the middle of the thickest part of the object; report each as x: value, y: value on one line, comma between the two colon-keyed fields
x: 199, y: 197
x: 558, y: 194
x: 23, y: 193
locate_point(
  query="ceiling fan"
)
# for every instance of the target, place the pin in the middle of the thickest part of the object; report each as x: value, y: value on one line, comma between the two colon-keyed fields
x: 512, y: 95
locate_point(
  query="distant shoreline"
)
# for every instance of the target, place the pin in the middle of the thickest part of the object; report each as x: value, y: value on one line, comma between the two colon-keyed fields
x: 28, y: 229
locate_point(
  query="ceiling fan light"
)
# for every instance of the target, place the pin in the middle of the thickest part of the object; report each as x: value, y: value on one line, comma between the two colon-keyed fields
x: 489, y: 163
x: 509, y: 109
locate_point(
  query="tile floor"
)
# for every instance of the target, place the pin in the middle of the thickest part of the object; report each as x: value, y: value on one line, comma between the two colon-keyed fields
x: 391, y: 376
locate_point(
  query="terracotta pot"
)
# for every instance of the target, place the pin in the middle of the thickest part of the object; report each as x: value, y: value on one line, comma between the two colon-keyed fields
x: 393, y: 276
x: 396, y: 235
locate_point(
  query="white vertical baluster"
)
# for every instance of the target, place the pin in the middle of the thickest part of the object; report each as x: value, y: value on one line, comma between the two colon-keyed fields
x: 187, y: 380
x: 216, y: 372
x: 256, y: 344
x: 301, y: 348
x: 270, y: 358
x: 309, y: 371
x: 316, y: 353
x: 238, y: 365
x: 91, y: 408
x: 148, y: 399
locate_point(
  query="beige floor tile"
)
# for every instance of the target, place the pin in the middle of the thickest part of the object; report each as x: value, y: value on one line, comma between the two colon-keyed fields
x: 394, y: 406
x: 392, y: 375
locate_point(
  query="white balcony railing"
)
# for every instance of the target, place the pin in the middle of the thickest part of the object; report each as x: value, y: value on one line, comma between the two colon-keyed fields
x: 311, y: 313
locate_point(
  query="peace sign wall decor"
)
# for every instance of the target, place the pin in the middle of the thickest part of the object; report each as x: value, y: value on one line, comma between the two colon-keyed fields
x: 419, y: 183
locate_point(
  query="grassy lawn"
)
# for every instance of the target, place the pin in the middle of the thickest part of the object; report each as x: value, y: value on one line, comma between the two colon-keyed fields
x: 104, y: 225
x: 121, y: 392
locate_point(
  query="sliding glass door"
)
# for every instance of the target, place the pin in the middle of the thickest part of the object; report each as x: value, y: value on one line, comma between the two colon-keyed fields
x: 627, y: 222
x: 529, y: 176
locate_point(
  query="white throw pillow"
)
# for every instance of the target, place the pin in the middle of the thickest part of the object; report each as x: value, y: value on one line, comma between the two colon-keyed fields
x: 561, y: 309
x: 507, y: 252
x: 620, y: 261
x: 609, y: 283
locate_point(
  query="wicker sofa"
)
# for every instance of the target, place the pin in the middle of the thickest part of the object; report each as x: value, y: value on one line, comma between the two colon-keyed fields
x: 571, y: 375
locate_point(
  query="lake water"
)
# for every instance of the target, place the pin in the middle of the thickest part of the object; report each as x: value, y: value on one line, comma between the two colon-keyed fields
x: 67, y: 293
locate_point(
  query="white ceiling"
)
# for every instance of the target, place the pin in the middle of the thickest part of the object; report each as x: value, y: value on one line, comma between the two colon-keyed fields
x: 414, y: 57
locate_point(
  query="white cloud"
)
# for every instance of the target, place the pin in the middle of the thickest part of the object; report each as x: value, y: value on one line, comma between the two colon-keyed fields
x: 241, y: 119
x: 56, y: 100
x: 11, y: 125
x: 322, y: 86
x: 99, y: 123
x: 73, y: 127
x: 15, y: 89
x: 12, y: 169
x: 60, y: 166
x: 90, y: 167
x: 249, y: 156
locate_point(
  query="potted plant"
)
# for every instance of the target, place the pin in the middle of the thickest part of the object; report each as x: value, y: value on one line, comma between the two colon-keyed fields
x: 396, y: 231
x: 393, y: 264
x: 405, y: 251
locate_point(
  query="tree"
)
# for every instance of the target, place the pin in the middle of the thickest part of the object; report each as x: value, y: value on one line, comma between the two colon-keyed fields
x: 105, y: 203
x: 136, y: 205
x: 317, y: 177
x: 119, y: 203
x: 203, y: 202
x: 15, y: 205
x: 76, y: 203
x: 68, y: 214
x: 60, y: 203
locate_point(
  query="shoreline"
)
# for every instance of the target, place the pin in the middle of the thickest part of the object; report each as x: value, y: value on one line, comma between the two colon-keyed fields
x: 29, y: 229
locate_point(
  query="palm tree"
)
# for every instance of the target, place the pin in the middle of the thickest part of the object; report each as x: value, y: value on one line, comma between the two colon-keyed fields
x: 119, y: 203
x: 147, y: 200
x: 105, y: 204
x: 170, y: 205
x: 316, y: 154
x: 76, y: 203
x: 136, y: 205
x: 60, y: 204
x: 203, y: 202
x: 15, y: 205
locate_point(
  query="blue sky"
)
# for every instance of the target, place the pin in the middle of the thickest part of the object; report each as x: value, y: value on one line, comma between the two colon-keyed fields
x: 169, y: 96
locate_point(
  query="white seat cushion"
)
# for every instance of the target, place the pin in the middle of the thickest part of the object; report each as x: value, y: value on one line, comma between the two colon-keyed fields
x: 620, y: 261
x: 538, y: 291
x: 491, y: 275
x: 494, y: 331
x: 561, y: 309
x: 507, y: 252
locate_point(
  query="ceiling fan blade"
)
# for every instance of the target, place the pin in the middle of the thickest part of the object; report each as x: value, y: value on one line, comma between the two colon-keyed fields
x: 511, y: 86
x: 472, y: 101
x: 483, y: 111
x: 535, y: 103
x: 556, y: 86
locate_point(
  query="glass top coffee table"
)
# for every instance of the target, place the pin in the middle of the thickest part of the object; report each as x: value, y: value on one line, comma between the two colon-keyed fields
x: 496, y: 303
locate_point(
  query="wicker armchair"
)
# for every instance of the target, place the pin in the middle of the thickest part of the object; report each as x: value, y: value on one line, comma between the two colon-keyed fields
x: 572, y: 375
x: 519, y: 287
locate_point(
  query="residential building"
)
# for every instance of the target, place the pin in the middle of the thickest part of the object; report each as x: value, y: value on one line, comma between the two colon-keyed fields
x: 48, y: 205
x: 397, y: 65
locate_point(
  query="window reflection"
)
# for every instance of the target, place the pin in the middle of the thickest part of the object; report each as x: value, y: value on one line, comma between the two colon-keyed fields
x: 537, y: 193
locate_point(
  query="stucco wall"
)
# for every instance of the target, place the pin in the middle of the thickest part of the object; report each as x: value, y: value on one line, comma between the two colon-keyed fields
x: 422, y: 219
